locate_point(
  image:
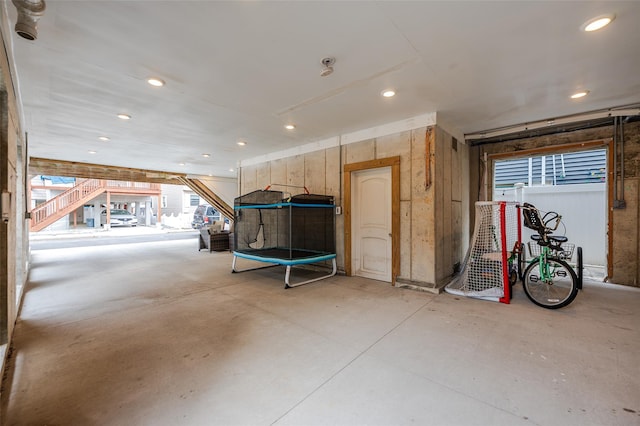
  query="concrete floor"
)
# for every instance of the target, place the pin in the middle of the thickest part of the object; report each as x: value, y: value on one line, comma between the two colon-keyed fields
x: 161, y: 334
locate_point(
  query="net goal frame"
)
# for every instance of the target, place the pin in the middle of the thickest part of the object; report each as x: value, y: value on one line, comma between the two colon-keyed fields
x: 486, y: 268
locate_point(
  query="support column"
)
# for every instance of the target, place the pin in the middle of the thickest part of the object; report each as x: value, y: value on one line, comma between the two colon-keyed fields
x: 159, y: 211
x: 147, y: 213
x: 107, y: 221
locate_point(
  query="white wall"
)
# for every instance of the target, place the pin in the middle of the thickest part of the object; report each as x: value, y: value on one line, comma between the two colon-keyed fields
x: 225, y: 188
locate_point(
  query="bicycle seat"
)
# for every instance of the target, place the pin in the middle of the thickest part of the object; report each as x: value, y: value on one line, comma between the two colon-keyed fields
x: 552, y: 241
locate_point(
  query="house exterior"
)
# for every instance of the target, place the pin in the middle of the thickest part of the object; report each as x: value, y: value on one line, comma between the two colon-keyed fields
x: 555, y: 169
x: 178, y: 204
x: 60, y: 203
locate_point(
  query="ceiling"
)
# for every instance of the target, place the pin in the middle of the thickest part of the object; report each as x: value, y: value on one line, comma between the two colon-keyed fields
x: 241, y: 70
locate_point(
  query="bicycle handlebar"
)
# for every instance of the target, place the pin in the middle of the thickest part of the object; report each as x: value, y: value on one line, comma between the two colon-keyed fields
x: 555, y: 216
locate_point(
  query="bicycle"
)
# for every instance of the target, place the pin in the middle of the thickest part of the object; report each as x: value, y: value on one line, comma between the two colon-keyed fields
x: 548, y: 281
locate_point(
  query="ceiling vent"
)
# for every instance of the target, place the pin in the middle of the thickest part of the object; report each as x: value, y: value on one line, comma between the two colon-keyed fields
x: 29, y: 12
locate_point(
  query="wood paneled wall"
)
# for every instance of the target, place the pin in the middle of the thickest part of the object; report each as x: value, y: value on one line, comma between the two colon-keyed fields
x: 433, y: 226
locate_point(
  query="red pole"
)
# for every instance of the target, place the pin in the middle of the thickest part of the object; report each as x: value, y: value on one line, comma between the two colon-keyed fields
x: 505, y: 267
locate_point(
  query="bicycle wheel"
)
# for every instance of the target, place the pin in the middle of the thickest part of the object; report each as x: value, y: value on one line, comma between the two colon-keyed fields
x: 556, y: 292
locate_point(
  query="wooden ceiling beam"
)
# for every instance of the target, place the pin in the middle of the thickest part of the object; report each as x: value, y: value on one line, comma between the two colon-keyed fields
x: 44, y: 166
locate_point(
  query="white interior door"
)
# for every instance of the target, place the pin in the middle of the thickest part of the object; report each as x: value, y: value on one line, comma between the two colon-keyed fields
x: 371, y: 223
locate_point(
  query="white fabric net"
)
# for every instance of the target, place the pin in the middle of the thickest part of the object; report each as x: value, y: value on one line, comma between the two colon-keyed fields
x: 482, y: 274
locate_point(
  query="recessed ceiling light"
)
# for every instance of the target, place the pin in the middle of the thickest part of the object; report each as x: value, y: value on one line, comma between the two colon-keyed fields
x: 388, y: 93
x: 154, y: 81
x: 241, y: 143
x: 124, y: 116
x: 206, y: 155
x: 103, y: 138
x: 579, y: 95
x: 210, y: 175
x: 231, y: 170
x: 597, y: 23
x: 92, y: 152
x: 180, y: 164
x: 290, y: 127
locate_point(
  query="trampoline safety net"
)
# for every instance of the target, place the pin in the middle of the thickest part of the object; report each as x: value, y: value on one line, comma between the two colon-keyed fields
x: 268, y: 224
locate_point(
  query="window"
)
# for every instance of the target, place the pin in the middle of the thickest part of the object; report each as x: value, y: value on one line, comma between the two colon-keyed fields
x: 194, y: 200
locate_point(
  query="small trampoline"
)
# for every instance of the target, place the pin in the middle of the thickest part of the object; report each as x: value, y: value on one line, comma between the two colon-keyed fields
x: 288, y: 231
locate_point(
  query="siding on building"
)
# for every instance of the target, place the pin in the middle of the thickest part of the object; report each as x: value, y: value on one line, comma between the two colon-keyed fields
x: 558, y: 169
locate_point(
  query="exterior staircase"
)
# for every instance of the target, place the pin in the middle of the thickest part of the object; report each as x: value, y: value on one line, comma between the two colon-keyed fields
x: 205, y: 192
x: 63, y: 204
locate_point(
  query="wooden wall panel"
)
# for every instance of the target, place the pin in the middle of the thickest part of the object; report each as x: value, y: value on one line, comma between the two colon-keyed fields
x: 315, y: 172
x: 625, y: 235
x: 358, y: 152
x: 446, y: 218
x: 439, y: 203
x: 263, y: 175
x: 333, y: 174
x: 405, y: 240
x: 295, y: 173
x: 422, y: 214
x: 398, y: 144
x: 249, y: 181
x: 429, y: 219
x: 278, y: 172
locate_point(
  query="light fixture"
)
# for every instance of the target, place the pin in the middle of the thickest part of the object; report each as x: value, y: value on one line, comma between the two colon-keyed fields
x: 156, y: 82
x: 327, y: 66
x: 579, y: 95
x: 206, y: 155
x: 389, y: 93
x: 231, y: 170
x: 241, y: 143
x: 92, y: 152
x: 290, y: 126
x: 597, y: 23
x: 103, y: 138
x: 180, y: 164
x: 124, y: 116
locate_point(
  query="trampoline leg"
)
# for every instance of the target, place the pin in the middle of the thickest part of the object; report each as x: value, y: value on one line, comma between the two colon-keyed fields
x: 287, y: 276
x: 233, y: 265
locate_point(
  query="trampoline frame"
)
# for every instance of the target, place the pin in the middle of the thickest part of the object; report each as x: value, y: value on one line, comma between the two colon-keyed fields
x: 288, y: 263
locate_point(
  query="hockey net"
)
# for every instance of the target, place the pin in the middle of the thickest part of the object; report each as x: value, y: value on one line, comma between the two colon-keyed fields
x: 485, y: 272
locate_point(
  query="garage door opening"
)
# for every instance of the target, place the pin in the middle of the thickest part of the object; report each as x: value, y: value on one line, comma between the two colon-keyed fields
x: 574, y: 184
x: 62, y: 203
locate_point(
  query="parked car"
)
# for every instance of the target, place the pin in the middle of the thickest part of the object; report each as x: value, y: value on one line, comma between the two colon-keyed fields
x: 204, y: 215
x: 118, y: 218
